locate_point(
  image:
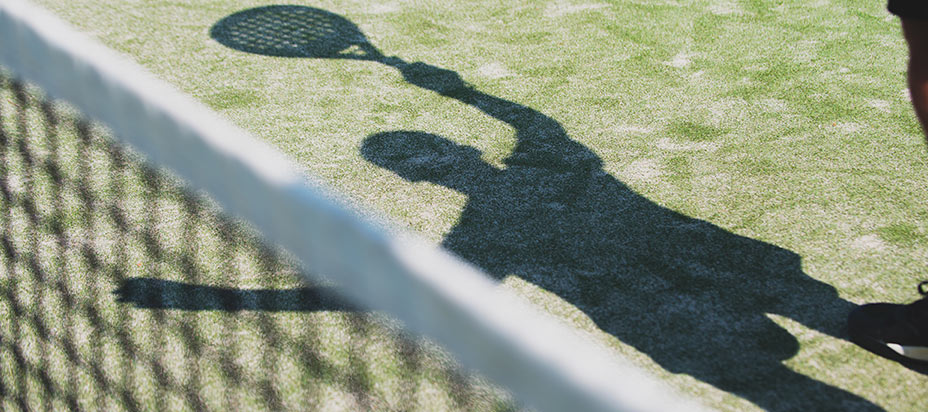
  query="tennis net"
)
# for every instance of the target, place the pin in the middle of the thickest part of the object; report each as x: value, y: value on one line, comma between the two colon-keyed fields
x: 126, y: 287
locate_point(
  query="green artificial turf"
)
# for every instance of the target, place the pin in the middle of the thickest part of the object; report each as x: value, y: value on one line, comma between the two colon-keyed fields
x: 706, y: 187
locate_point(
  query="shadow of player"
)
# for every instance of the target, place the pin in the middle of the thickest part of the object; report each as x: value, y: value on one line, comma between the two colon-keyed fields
x: 692, y: 296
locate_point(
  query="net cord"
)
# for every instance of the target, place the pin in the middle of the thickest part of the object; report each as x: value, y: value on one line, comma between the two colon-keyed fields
x: 545, y: 364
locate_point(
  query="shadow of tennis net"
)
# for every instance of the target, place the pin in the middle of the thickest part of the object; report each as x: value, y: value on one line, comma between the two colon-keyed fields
x: 121, y: 290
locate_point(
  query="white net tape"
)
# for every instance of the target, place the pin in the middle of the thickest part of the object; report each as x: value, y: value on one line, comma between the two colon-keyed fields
x: 542, y: 362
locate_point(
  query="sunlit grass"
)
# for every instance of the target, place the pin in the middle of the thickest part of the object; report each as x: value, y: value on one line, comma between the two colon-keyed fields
x: 783, y: 122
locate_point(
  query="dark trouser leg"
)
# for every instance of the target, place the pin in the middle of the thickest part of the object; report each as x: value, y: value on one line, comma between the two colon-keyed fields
x: 916, y: 35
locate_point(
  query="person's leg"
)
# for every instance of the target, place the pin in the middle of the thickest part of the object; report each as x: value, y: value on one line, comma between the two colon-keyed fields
x: 895, y: 331
x: 916, y: 35
x: 900, y: 332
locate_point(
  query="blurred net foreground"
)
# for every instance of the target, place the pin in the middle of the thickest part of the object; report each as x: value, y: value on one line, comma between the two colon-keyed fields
x: 120, y: 290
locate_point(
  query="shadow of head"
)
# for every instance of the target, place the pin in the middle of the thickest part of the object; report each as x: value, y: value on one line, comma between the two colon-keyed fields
x: 288, y: 31
x: 420, y: 156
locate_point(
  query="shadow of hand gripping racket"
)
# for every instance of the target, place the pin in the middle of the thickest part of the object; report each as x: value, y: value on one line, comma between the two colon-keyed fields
x: 692, y: 296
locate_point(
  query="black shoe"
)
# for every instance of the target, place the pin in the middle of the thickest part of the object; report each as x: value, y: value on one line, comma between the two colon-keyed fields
x: 897, y: 332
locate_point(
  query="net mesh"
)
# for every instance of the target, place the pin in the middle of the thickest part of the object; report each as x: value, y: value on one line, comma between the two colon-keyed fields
x: 122, y: 290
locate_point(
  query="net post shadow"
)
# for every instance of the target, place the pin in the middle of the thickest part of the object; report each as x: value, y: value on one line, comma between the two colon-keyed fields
x: 151, y: 293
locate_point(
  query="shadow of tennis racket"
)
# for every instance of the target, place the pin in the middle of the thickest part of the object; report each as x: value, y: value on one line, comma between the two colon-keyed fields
x: 308, y: 32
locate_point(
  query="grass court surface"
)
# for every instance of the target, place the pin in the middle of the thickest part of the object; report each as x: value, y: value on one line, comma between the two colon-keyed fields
x: 706, y: 187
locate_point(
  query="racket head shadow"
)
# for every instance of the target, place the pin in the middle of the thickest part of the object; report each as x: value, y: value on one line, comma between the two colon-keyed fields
x: 293, y: 31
